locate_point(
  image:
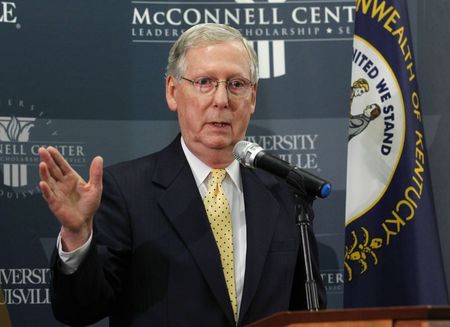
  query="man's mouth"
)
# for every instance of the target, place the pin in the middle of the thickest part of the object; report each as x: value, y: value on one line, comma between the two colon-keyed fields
x: 220, y: 124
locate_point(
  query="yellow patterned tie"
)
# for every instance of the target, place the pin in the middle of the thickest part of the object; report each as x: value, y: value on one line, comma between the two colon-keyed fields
x: 219, y: 215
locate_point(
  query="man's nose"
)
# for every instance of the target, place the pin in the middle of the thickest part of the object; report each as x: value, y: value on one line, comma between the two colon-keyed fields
x: 221, y: 94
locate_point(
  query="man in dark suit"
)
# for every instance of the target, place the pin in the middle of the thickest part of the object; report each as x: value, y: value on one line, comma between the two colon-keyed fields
x: 136, y: 242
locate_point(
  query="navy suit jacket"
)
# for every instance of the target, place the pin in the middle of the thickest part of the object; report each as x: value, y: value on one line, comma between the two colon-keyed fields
x: 154, y: 260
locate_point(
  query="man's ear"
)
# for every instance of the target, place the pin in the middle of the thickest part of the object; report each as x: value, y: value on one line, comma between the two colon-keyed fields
x: 171, y: 92
x: 253, y: 97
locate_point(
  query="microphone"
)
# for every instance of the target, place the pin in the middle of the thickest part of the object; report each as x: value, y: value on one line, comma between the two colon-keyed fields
x: 253, y: 156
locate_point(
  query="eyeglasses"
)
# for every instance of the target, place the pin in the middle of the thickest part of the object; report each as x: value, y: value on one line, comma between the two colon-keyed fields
x: 207, y: 85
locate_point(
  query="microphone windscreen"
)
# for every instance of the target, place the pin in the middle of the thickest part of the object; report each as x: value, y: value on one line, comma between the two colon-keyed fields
x: 245, y: 152
x: 238, y: 150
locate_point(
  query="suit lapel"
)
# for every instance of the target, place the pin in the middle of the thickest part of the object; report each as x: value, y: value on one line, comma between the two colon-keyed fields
x: 261, y: 211
x: 184, y: 208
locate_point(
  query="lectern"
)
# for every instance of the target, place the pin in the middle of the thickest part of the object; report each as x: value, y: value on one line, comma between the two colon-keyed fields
x: 413, y: 316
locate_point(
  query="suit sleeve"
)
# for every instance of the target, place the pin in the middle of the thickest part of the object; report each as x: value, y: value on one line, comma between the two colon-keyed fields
x: 91, y: 293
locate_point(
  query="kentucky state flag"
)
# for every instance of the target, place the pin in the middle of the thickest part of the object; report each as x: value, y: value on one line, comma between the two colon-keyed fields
x: 392, y: 250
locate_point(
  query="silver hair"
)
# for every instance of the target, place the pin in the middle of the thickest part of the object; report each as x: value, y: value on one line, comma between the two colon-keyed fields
x: 203, y: 34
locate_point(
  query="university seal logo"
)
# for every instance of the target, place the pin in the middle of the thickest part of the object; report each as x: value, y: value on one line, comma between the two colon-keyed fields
x: 24, y: 128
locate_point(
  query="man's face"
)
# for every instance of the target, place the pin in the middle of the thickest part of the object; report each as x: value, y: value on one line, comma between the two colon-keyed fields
x: 215, y: 121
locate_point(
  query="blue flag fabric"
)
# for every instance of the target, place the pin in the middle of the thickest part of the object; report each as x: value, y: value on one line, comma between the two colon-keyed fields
x: 392, y: 249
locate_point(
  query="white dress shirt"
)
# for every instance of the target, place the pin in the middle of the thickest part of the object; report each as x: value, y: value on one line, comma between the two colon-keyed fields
x: 232, y: 186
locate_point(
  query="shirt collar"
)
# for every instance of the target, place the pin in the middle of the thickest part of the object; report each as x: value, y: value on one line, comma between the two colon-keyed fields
x: 201, y: 170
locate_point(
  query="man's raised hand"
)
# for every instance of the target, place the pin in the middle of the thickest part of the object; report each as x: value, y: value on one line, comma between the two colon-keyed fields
x: 70, y: 198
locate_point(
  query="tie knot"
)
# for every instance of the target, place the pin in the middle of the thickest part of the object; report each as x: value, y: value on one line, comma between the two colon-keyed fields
x: 218, y: 175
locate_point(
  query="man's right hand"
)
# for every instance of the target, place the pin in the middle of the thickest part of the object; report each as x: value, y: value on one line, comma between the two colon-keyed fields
x: 72, y: 200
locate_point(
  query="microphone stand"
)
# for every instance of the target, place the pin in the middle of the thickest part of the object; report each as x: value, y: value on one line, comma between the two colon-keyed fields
x: 302, y: 221
x: 303, y: 205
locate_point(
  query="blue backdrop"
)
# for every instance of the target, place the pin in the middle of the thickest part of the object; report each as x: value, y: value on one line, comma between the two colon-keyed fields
x: 88, y: 77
